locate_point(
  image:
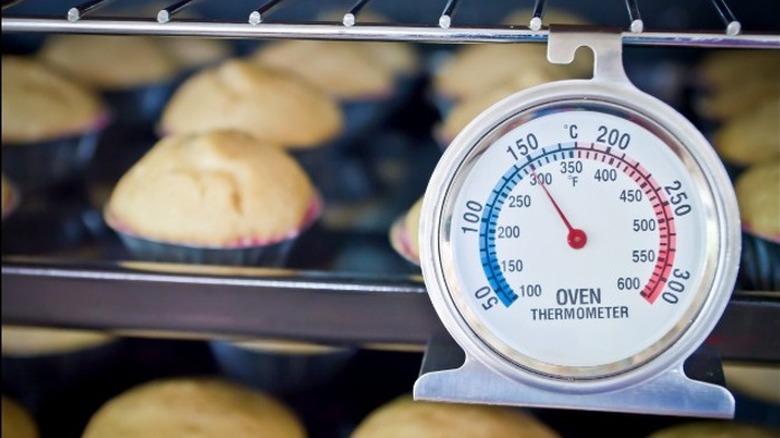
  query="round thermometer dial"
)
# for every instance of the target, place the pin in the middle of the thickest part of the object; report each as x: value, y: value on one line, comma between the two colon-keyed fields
x: 577, y: 239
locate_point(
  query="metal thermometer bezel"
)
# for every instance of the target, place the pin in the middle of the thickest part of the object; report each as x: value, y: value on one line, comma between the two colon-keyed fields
x: 677, y: 133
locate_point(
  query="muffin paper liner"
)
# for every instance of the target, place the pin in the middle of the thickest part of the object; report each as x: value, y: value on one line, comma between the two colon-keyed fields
x: 399, y: 240
x: 40, y: 225
x: 140, y: 105
x: 38, y: 166
x: 13, y: 200
x: 760, y: 264
x: 361, y: 116
x: 273, y: 255
x: 34, y: 379
x: 278, y: 371
x: 247, y: 252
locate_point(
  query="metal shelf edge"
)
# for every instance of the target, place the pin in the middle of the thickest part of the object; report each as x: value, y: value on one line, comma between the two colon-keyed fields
x: 213, y: 302
x: 427, y: 34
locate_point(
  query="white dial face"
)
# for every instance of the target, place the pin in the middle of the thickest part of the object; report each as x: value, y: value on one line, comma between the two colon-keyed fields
x: 578, y: 242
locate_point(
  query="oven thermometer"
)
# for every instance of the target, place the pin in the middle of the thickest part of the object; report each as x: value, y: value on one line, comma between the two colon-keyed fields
x: 579, y: 240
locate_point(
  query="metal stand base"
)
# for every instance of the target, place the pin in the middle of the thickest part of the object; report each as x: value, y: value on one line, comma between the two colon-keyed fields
x: 672, y: 393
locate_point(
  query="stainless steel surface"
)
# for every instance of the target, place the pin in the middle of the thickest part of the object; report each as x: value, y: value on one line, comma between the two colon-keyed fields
x: 165, y: 14
x: 670, y: 393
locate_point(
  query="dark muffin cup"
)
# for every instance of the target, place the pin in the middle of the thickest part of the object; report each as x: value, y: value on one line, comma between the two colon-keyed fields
x: 272, y: 255
x: 38, y: 166
x: 266, y: 252
x: 38, y: 377
x: 141, y: 105
x: 760, y: 263
x: 281, y: 368
x: 338, y: 175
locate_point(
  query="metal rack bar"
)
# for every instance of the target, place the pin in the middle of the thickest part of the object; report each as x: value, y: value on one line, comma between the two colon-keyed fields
x: 430, y: 34
x: 11, y: 3
x: 351, y: 16
x: 637, y: 25
x: 76, y: 13
x: 445, y: 20
x: 256, y: 16
x: 167, y: 13
x: 536, y: 18
x: 733, y: 26
x: 213, y: 302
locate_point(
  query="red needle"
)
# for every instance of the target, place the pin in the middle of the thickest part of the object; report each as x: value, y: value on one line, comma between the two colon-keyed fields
x: 576, y: 238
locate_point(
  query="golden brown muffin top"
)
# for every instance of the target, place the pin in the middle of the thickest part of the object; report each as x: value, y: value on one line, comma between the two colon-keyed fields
x: 470, y: 107
x: 715, y: 429
x: 722, y: 69
x: 403, y: 417
x: 275, y: 107
x: 38, y: 104
x: 217, y: 189
x: 343, y: 69
x: 195, y: 408
x: 752, y: 137
x: 758, y: 196
x: 36, y: 341
x: 476, y: 70
x: 194, y: 52
x: 110, y: 62
x: 17, y: 421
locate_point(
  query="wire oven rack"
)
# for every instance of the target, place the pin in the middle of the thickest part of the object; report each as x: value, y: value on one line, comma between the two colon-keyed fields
x: 308, y: 305
x: 85, y: 18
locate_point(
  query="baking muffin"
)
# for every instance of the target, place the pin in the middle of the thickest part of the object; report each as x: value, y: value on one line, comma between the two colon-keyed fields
x: 37, y: 341
x: 347, y: 70
x: 404, y: 417
x: 715, y: 429
x: 722, y: 69
x: 109, y: 62
x: 732, y: 82
x: 39, y: 105
x: 761, y: 382
x: 41, y: 363
x: 758, y: 195
x: 368, y: 79
x: 465, y: 110
x: 404, y: 235
x: 193, y: 53
x: 50, y: 125
x: 477, y: 69
x: 752, y: 137
x: 193, y: 407
x: 271, y: 105
x: 17, y: 421
x: 221, y: 190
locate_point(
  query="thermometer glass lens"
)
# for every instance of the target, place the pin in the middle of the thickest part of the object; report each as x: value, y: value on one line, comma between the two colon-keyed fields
x: 578, y: 238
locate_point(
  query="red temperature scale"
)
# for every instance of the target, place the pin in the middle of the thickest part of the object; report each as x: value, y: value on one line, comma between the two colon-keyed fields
x: 579, y: 240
